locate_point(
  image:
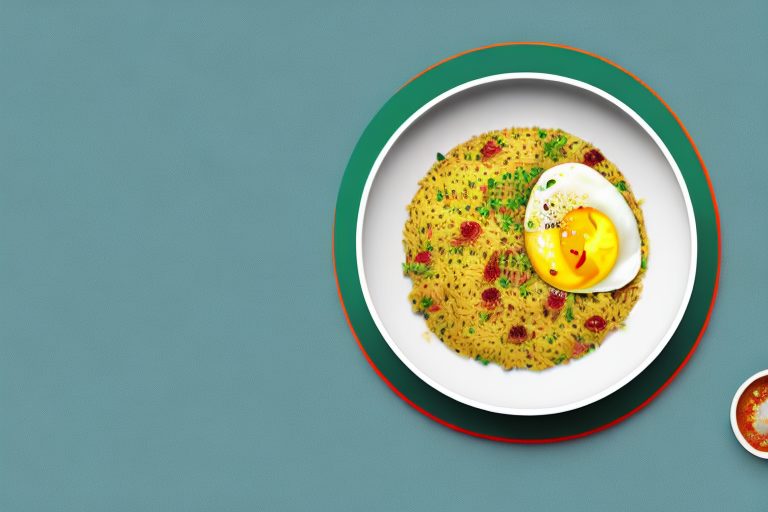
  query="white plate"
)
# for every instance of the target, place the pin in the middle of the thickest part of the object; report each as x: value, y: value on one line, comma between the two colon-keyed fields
x: 520, y: 100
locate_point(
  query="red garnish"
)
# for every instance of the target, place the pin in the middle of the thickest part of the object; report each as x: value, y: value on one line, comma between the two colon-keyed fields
x: 517, y: 334
x: 579, y: 348
x: 429, y: 232
x: 492, y: 270
x: 556, y: 298
x: 423, y: 257
x: 490, y: 149
x: 593, y: 157
x: 595, y: 323
x: 470, y: 230
x: 552, y: 272
x: 582, y: 259
x: 491, y: 295
x: 483, y: 189
x: 574, y: 252
x: 434, y: 308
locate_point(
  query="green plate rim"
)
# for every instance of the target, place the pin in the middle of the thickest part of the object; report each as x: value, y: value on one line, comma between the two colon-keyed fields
x: 578, y: 65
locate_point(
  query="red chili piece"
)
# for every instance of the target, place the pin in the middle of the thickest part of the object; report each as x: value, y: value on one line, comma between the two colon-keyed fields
x: 434, y: 308
x: 593, y: 157
x: 491, y: 295
x: 595, y: 323
x: 492, y: 270
x: 556, y: 298
x: 582, y: 259
x: 490, y: 149
x: 423, y: 257
x: 517, y: 334
x: 470, y: 230
x: 552, y: 272
x: 579, y: 348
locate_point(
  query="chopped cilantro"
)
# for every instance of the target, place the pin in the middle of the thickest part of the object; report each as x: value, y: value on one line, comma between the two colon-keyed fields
x: 439, y: 195
x: 504, y: 282
x: 425, y: 303
x: 484, y: 316
x: 491, y: 183
x: 523, y: 288
x: 553, y: 146
x: 417, y: 268
x: 494, y: 203
x: 569, y: 307
x: 482, y: 360
x: 551, y: 183
x: 643, y: 263
x: 506, y: 222
x: 542, y: 134
x: 440, y: 157
x: 471, y: 330
x: 483, y: 210
x: 622, y: 185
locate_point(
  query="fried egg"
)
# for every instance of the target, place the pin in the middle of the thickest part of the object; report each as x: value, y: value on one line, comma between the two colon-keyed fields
x: 580, y: 234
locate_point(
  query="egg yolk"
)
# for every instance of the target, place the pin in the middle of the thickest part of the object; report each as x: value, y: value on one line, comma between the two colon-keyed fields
x: 577, y: 254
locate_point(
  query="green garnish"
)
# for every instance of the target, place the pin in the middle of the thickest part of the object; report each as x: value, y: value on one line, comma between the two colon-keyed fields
x: 416, y: 268
x: 425, y: 303
x: 439, y: 195
x: 504, y: 282
x: 542, y: 134
x: 621, y: 186
x: 569, y: 307
x: 535, y: 171
x: 551, y: 183
x: 530, y: 224
x: 553, y: 146
x: 471, y: 330
x: 428, y: 246
x: 643, y: 263
x: 523, y: 288
x: 494, y: 203
x: 559, y: 359
x: 484, y: 316
x: 440, y: 157
x: 506, y: 222
x: 506, y: 176
x: 483, y: 210
x: 481, y: 360
x: 491, y: 183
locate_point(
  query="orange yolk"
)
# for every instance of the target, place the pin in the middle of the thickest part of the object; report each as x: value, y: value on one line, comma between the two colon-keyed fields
x: 576, y: 255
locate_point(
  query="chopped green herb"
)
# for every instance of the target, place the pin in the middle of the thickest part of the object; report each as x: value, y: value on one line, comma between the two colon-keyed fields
x: 440, y: 157
x: 506, y: 176
x: 530, y: 224
x: 504, y: 282
x: 439, y: 195
x: 425, y: 303
x: 569, y: 307
x: 542, y: 134
x: 535, y: 171
x: 484, y: 316
x: 643, y: 263
x: 481, y: 360
x: 551, y: 183
x: 417, y: 268
x: 483, y: 210
x: 523, y: 288
x: 559, y: 359
x: 494, y: 203
x: 471, y: 330
x: 622, y: 185
x: 506, y: 222
x: 553, y: 146
x: 491, y: 183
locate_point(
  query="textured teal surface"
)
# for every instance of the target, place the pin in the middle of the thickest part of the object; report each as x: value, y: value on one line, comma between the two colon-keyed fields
x: 170, y: 337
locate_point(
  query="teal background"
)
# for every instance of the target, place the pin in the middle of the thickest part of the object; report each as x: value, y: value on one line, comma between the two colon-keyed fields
x: 170, y: 336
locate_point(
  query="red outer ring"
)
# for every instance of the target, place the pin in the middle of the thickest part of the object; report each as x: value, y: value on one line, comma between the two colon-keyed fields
x: 663, y: 386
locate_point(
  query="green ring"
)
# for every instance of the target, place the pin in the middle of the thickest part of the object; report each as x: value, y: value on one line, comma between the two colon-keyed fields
x: 573, y: 64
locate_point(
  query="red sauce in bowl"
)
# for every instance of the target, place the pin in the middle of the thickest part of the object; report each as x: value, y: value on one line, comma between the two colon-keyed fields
x: 752, y: 414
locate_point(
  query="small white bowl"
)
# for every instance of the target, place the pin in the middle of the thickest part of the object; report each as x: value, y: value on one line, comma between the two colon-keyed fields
x: 734, y: 424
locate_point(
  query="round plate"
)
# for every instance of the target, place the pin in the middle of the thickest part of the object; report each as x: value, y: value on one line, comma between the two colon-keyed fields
x: 526, y: 85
